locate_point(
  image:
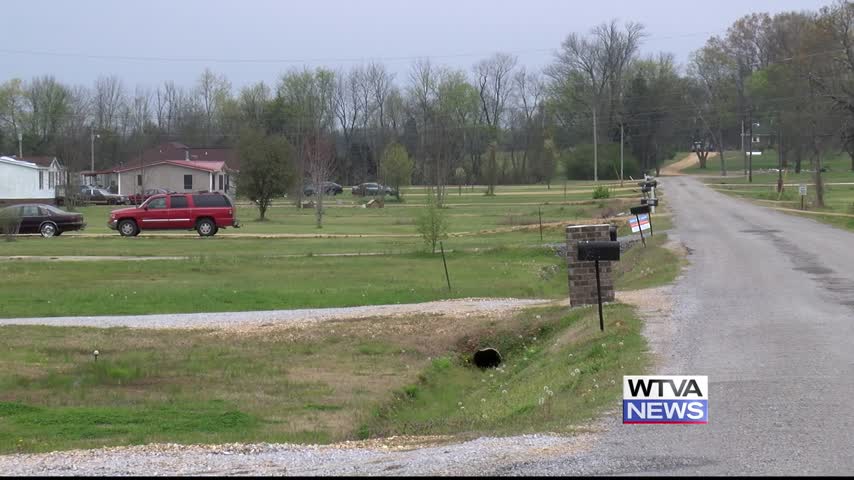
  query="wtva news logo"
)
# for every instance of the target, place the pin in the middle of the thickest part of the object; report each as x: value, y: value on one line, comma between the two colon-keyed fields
x: 665, y: 399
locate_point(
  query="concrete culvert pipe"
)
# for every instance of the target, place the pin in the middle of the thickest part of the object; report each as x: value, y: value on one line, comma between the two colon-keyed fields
x: 487, y: 358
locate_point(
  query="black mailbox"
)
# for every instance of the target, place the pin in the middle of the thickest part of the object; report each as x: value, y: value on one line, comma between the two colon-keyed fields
x: 598, y: 250
x: 646, y: 188
x: 640, y: 210
x: 652, y: 202
x: 652, y: 183
x: 612, y: 232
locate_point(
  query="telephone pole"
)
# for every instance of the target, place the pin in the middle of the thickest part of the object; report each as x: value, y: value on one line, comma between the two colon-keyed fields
x: 750, y: 154
x: 621, y: 154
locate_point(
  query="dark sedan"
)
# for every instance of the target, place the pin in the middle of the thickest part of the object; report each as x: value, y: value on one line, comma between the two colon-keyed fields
x: 46, y: 220
x: 372, y: 189
x: 329, y: 188
x: 138, y: 198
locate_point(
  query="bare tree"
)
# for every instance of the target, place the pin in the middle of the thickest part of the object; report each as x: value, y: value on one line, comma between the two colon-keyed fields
x: 107, y: 101
x: 320, y: 162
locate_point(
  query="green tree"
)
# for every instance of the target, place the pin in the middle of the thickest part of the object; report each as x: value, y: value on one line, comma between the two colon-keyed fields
x: 268, y: 167
x: 396, y: 166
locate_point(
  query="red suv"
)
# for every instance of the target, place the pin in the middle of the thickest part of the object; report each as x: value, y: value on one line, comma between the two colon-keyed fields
x: 205, y: 213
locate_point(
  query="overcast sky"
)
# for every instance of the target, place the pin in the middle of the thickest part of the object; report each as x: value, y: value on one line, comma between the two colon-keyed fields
x: 148, y: 41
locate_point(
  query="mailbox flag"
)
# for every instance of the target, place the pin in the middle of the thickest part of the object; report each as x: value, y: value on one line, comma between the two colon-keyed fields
x: 644, y: 223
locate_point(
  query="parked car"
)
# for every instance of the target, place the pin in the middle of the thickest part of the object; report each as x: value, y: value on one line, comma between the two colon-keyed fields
x: 372, y: 189
x: 329, y: 188
x: 138, y: 198
x: 46, y: 220
x: 101, y: 196
x: 205, y: 213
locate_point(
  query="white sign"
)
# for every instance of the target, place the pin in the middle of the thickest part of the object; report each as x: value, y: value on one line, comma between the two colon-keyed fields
x: 642, y: 219
x: 802, y: 189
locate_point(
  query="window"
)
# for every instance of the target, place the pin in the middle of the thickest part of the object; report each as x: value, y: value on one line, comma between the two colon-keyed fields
x: 41, y: 180
x: 30, y: 211
x: 755, y: 139
x: 139, y: 180
x: 211, y: 201
x: 178, y: 201
x: 157, y: 203
x: 188, y: 182
x: 50, y: 180
x: 221, y: 181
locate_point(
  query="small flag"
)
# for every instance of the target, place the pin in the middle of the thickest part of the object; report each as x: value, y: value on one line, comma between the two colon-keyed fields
x: 644, y: 222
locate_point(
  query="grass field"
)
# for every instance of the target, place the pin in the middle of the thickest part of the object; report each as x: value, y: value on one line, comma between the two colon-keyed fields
x: 492, y: 250
x: 839, y: 189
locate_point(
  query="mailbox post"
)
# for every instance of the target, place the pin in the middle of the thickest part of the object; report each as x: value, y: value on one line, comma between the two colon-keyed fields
x: 637, y: 211
x: 595, y: 251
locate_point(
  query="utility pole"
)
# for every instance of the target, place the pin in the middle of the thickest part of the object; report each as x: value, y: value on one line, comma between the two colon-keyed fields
x: 92, y: 149
x: 595, y: 150
x: 20, y: 146
x: 750, y: 154
x: 743, y: 151
x: 621, y: 154
x: 779, y: 156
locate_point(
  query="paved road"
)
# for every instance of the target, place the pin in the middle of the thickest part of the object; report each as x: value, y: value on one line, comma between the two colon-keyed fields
x: 766, y: 310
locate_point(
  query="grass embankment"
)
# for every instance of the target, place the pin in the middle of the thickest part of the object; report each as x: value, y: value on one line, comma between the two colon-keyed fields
x: 322, y: 384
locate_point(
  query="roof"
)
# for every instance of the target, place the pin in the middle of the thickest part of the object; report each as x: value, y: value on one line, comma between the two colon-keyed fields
x: 193, y: 164
x: 43, y: 161
x: 19, y: 163
x: 179, y: 151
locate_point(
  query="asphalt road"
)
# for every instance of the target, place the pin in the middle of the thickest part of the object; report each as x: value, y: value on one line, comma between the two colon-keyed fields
x: 766, y: 310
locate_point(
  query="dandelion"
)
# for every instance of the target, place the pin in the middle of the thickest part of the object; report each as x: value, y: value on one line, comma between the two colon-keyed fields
x: 538, y: 317
x: 603, y: 345
x: 460, y: 404
x: 546, y: 388
x: 577, y: 371
x: 613, y: 382
x: 542, y: 401
x: 550, y: 393
x: 484, y: 416
x: 535, y: 339
x: 482, y: 400
x: 572, y: 374
x: 570, y: 355
x: 490, y: 375
x: 504, y: 392
x: 462, y: 408
x: 621, y: 343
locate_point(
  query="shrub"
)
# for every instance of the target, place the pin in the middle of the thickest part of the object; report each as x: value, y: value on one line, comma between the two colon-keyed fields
x: 10, y: 223
x: 601, y: 191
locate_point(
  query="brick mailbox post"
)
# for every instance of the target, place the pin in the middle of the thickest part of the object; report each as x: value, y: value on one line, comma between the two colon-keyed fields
x: 582, y: 275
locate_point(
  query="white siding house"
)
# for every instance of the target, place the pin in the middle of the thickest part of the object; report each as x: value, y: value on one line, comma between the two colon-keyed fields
x: 27, y: 181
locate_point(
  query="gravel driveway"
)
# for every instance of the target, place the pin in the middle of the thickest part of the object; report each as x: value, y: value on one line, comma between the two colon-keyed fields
x: 299, y: 317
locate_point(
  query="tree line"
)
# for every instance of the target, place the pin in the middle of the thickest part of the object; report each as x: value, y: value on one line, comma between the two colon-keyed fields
x: 497, y: 122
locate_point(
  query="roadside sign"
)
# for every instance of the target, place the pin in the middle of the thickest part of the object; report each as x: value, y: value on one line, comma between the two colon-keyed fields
x: 802, y: 189
x: 643, y: 220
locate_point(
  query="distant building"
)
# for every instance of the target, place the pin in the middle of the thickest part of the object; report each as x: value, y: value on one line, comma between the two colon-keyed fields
x: 30, y: 179
x: 175, y: 176
x: 173, y: 166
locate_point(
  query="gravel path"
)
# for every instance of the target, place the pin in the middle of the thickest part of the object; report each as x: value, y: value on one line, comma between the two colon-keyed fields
x: 359, y: 458
x: 271, y: 318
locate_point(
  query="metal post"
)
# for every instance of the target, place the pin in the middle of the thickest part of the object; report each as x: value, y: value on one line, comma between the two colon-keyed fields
x: 621, y: 154
x: 540, y: 212
x: 743, y: 151
x: 599, y: 294
x: 442, y: 247
x: 649, y: 216
x: 637, y: 217
x: 20, y: 146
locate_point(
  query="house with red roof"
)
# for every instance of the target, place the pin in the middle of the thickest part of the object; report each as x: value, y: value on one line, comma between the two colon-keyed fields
x: 172, y: 166
x: 175, y: 176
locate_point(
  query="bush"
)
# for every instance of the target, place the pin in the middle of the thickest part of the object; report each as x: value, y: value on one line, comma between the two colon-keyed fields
x: 601, y: 191
x: 578, y: 163
x: 10, y: 223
